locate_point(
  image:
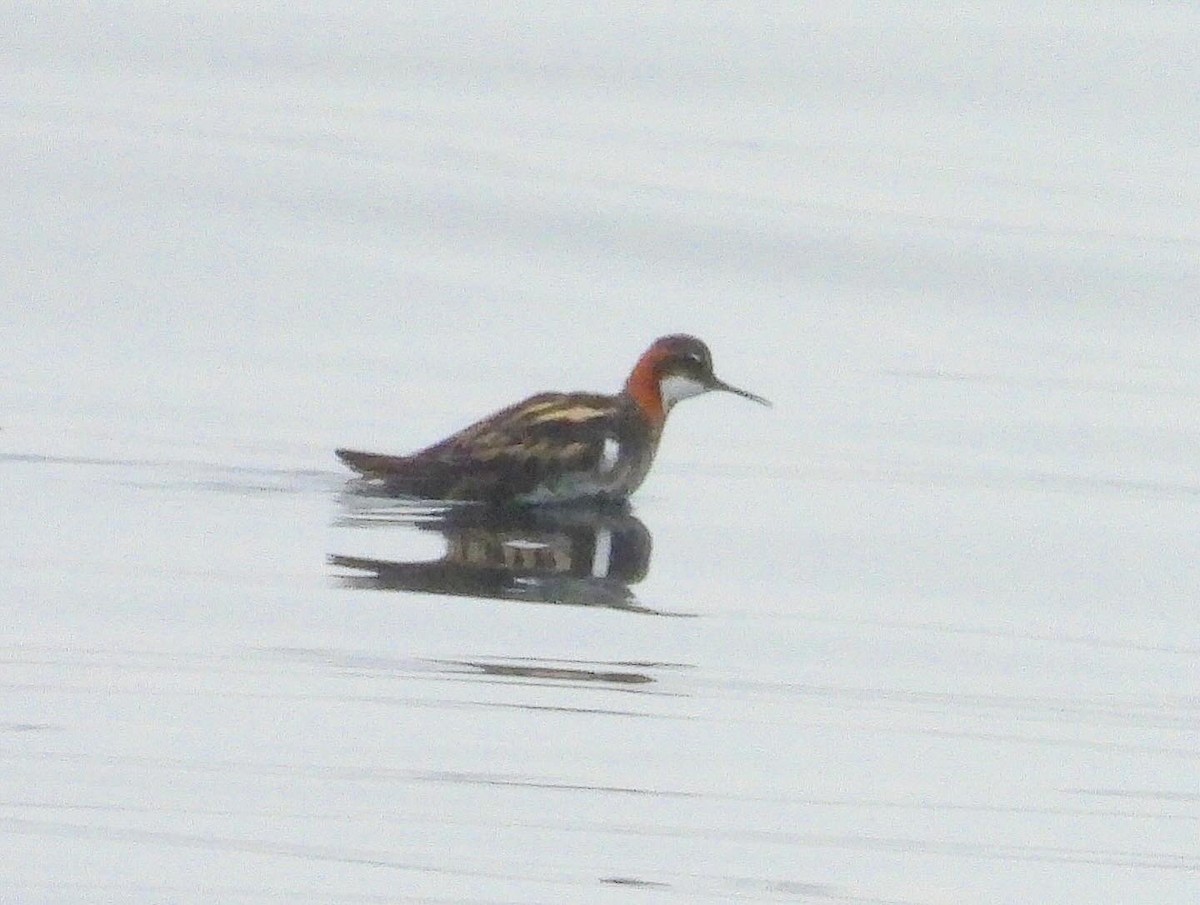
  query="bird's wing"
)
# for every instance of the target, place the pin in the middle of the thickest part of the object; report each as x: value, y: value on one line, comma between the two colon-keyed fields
x: 551, y: 432
x: 506, y: 454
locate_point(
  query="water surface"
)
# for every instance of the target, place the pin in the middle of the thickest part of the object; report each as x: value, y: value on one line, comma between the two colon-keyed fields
x: 924, y: 632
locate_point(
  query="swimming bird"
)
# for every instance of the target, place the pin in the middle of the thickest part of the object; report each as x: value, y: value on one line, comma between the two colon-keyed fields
x: 557, y: 447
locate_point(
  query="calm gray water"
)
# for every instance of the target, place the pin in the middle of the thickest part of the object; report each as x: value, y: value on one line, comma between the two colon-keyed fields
x: 924, y: 632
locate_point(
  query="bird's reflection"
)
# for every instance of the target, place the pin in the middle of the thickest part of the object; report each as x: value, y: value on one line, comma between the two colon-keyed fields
x: 583, y: 556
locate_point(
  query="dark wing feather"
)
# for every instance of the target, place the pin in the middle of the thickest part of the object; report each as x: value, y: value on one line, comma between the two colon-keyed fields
x: 524, y: 445
x: 504, y: 455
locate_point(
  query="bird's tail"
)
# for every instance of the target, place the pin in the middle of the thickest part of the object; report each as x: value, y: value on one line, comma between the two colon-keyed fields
x: 376, y: 465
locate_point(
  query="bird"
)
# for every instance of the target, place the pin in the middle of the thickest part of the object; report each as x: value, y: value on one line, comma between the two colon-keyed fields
x: 557, y: 448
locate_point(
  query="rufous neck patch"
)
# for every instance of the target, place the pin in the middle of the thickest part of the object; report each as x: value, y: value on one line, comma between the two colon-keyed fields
x: 643, y: 388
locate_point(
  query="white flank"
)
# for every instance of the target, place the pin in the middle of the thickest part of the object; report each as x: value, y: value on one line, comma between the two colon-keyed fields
x: 602, y: 554
x: 675, y: 387
x: 610, y: 454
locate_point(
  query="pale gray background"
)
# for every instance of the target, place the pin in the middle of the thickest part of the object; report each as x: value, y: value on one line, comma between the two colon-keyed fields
x: 943, y: 645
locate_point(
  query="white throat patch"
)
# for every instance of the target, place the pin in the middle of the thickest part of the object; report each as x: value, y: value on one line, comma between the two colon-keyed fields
x: 675, y: 387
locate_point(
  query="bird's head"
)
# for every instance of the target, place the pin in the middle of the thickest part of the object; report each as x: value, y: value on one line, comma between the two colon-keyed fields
x: 674, y: 368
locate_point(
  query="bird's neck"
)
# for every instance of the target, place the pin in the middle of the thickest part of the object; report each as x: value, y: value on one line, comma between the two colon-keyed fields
x: 643, y: 388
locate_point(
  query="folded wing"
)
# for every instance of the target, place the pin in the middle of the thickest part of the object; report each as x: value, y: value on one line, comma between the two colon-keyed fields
x: 511, y: 453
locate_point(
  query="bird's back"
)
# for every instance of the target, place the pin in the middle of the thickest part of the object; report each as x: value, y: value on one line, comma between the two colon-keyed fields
x: 550, y: 447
